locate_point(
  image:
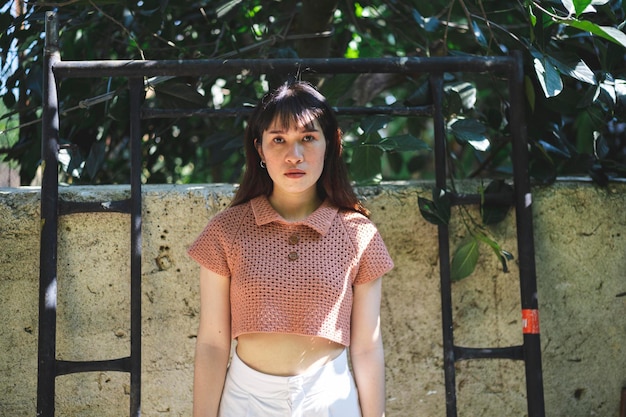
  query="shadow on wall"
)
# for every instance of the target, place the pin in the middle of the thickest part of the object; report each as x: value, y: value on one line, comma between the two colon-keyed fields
x: 580, y: 236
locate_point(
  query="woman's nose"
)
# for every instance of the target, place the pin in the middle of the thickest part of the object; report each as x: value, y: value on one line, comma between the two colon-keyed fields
x: 295, y: 154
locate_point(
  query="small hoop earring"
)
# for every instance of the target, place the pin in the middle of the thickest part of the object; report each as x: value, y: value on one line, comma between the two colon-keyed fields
x: 262, y: 164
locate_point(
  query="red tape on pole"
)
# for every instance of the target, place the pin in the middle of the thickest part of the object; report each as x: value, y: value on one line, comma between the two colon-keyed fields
x: 530, y: 321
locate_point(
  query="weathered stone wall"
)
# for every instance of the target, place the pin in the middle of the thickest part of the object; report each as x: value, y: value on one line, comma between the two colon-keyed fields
x: 580, y: 236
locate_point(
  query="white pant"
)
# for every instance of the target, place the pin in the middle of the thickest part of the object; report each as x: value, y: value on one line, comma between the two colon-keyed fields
x: 328, y: 391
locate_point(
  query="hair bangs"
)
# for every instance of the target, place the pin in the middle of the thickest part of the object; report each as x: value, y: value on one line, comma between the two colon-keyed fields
x: 289, y: 111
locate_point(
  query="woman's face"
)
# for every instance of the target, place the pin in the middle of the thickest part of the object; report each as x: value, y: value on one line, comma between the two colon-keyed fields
x: 294, y: 157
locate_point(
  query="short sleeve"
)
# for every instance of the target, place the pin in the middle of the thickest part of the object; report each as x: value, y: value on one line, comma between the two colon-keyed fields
x: 375, y: 260
x: 373, y: 257
x: 210, y: 249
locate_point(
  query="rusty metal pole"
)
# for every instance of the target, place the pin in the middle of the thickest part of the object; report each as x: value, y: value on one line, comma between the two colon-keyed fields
x: 136, y: 87
x: 443, y: 235
x: 49, y: 221
x: 526, y: 244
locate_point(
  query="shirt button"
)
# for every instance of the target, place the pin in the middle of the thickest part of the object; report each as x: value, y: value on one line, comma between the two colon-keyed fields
x: 293, y: 239
x: 293, y: 256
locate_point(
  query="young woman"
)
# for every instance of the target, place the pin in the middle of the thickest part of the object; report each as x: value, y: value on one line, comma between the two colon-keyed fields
x: 291, y: 271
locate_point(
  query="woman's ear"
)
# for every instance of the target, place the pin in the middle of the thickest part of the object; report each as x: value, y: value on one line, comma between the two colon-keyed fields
x: 259, y: 149
x: 339, y: 141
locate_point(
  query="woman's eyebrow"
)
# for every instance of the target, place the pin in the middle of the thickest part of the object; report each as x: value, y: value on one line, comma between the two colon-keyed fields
x: 303, y: 129
x: 309, y: 127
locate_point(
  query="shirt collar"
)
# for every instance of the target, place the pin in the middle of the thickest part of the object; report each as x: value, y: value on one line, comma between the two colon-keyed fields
x: 320, y: 220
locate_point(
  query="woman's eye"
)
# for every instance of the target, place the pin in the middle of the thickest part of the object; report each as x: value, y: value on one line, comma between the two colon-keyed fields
x: 308, y: 138
x: 278, y: 140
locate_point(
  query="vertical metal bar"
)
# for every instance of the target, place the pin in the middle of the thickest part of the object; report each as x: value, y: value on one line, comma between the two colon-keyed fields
x: 136, y: 87
x: 436, y: 86
x: 46, y: 372
x: 525, y: 244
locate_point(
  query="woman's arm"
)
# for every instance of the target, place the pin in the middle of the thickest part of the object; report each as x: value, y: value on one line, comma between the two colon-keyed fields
x: 212, y: 345
x: 366, y: 348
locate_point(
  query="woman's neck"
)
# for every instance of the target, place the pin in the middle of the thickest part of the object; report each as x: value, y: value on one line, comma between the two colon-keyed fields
x: 294, y: 207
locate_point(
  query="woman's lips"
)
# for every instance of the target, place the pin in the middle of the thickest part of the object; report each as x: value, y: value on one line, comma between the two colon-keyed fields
x: 294, y: 173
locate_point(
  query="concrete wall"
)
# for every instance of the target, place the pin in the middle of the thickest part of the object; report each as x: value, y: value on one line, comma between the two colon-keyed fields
x: 580, y: 235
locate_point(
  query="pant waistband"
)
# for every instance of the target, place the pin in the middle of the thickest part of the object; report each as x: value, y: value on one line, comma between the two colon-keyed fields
x: 263, y: 384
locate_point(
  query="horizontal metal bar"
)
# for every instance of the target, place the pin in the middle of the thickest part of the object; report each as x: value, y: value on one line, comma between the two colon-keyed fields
x: 72, y: 367
x: 174, y: 113
x: 511, y: 352
x: 148, y: 113
x: 71, y: 207
x: 395, y: 111
x: 196, y: 67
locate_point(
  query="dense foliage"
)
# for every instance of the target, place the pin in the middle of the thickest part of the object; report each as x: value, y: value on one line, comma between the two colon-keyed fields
x: 575, y: 88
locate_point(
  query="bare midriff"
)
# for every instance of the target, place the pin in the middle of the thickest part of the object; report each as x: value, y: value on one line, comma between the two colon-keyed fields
x: 285, y: 354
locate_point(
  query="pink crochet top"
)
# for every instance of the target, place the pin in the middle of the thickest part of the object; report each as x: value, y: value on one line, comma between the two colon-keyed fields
x: 292, y: 277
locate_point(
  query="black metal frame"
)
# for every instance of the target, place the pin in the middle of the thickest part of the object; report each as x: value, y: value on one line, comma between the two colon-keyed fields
x: 51, y: 207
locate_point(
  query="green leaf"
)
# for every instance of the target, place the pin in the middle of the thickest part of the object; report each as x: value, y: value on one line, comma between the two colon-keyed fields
x: 464, y: 260
x: 373, y: 124
x: 6, y: 19
x: 608, y: 87
x: 470, y: 131
x: 335, y: 87
x: 603, y: 94
x: 226, y: 7
x: 34, y: 81
x: 453, y: 103
x: 541, y: 167
x: 465, y: 94
x: 620, y: 91
x: 437, y: 210
x: 569, y: 64
x: 429, y: 24
x: 531, y: 14
x: 95, y: 159
x: 403, y: 143
x: 548, y: 76
x: 577, y: 7
x: 419, y: 19
x: 75, y: 167
x: 420, y: 96
x: 491, y: 212
x: 9, y: 99
x: 180, y: 94
x: 428, y: 209
x: 503, y: 256
x: 478, y: 34
x: 366, y: 167
x: 607, y: 32
x: 601, y: 147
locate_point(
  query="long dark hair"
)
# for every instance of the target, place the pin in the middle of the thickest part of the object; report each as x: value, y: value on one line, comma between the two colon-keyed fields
x: 297, y: 103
